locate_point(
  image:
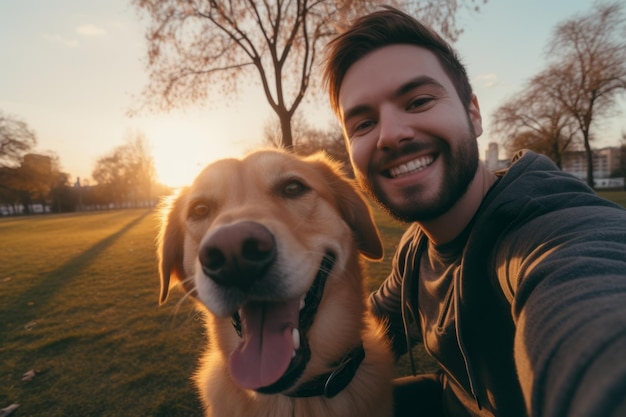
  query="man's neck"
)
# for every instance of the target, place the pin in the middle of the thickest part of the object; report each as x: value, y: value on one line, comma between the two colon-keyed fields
x: 448, y: 226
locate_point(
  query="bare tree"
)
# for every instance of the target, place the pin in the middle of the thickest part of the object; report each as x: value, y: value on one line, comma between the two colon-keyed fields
x: 622, y: 159
x: 309, y: 140
x: 127, y: 173
x: 194, y: 45
x: 534, y: 119
x: 588, y: 56
x: 16, y: 139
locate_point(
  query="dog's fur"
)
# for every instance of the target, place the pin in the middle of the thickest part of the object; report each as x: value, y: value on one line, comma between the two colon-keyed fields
x: 309, y: 209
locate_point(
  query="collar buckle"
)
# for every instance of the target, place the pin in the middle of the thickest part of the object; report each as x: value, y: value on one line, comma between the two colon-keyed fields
x: 332, y: 383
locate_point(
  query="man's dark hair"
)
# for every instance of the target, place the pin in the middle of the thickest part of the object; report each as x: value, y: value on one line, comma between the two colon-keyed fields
x: 385, y: 27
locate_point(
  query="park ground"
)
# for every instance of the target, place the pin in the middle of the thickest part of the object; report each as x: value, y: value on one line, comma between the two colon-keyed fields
x: 82, y: 333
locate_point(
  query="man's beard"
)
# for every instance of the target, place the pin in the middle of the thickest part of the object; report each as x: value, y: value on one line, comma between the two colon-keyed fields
x: 460, y: 169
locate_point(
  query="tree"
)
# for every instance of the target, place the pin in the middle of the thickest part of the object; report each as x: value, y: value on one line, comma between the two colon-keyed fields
x: 588, y: 71
x: 622, y: 159
x: 194, y: 45
x: 127, y: 173
x: 534, y: 119
x: 311, y: 140
x: 16, y: 139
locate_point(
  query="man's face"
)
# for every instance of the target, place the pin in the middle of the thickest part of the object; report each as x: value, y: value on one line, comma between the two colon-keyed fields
x: 412, y: 143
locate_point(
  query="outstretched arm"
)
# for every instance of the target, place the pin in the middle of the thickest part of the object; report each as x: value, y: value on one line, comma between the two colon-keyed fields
x: 569, y: 303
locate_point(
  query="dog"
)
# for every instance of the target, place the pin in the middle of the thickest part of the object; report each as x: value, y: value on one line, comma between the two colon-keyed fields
x: 271, y: 247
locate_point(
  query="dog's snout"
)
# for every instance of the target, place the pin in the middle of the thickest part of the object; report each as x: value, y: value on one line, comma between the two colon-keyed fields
x: 237, y: 254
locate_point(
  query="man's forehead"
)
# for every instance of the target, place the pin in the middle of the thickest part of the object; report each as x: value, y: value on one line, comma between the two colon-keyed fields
x: 387, y: 68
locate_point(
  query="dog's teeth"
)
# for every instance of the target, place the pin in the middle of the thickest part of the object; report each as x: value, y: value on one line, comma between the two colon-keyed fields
x: 301, y: 303
x: 293, y: 354
x: 295, y: 336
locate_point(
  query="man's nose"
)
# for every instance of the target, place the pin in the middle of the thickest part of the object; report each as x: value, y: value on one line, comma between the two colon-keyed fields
x: 393, y: 128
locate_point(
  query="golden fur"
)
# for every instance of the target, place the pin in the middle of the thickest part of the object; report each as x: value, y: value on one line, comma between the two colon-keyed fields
x: 310, y: 209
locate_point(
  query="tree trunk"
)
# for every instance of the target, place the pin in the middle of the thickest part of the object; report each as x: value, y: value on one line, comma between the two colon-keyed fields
x: 285, y: 128
x: 589, y: 153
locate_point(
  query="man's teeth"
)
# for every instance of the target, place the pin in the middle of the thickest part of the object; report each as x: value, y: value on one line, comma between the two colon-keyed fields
x: 411, y: 166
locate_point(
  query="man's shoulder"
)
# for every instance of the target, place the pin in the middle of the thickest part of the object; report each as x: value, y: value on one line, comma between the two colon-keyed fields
x: 524, y: 161
x: 533, y: 186
x: 533, y: 177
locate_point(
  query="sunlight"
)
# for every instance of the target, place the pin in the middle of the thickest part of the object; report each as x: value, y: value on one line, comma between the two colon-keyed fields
x: 183, y: 145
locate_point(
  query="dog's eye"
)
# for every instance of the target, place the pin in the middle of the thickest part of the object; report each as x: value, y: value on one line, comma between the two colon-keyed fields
x: 199, y: 210
x: 294, y: 188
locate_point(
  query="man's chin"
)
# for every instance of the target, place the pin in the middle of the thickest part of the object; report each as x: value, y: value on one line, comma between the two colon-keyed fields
x: 407, y: 206
x: 411, y: 206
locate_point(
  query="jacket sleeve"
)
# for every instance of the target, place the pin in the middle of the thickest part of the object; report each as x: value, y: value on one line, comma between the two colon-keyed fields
x: 386, y: 303
x: 565, y: 273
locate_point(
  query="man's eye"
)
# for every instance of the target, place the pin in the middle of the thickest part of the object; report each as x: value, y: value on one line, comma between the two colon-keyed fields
x: 419, y: 102
x: 362, y: 128
x: 364, y: 125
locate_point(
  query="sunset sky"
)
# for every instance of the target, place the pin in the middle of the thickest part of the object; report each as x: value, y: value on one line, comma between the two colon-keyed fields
x: 71, y: 69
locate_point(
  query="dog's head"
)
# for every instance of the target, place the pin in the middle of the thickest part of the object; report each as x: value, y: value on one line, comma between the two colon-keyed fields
x: 264, y: 239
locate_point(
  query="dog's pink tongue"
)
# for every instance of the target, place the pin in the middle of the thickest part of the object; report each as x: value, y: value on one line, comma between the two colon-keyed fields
x: 267, y: 346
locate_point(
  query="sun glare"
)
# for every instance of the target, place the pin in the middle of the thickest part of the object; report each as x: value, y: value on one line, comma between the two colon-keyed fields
x: 181, y: 149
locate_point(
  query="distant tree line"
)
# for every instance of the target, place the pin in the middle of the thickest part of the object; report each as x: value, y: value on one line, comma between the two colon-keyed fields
x: 561, y: 107
x: 34, y: 182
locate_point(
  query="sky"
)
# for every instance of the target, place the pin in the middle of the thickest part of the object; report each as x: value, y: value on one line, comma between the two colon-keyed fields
x: 71, y: 69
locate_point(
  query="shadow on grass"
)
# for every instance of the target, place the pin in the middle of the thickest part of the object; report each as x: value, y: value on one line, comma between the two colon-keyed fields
x: 63, y: 276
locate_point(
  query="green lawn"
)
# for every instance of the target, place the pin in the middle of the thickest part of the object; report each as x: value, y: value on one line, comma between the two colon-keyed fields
x: 78, y: 302
x: 618, y: 196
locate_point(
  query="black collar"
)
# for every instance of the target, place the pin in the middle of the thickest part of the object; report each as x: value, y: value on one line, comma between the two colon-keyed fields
x: 332, y: 383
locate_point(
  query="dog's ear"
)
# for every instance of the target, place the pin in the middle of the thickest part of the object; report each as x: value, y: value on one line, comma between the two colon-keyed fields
x: 170, y: 244
x: 354, y: 209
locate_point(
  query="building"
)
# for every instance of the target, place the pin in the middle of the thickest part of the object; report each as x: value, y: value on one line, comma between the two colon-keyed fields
x: 606, y: 162
x: 492, y: 160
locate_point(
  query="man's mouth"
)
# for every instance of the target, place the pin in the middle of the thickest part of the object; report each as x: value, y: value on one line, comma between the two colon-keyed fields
x: 410, y: 167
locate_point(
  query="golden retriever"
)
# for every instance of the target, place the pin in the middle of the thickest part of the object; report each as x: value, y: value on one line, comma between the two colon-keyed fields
x: 270, y: 247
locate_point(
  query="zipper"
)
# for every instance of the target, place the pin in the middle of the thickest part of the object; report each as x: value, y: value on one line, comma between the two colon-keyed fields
x: 459, y: 338
x: 446, y: 307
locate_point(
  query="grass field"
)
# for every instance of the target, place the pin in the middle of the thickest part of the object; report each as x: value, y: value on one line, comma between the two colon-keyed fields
x: 78, y: 302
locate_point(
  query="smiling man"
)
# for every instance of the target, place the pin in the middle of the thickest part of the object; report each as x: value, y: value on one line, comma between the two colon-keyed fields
x: 514, y: 281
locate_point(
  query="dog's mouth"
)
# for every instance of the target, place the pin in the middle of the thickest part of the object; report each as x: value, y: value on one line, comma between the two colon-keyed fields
x: 274, y: 349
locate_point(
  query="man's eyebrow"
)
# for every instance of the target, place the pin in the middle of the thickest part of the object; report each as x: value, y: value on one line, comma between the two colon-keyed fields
x: 422, y: 80
x: 407, y: 87
x: 355, y: 111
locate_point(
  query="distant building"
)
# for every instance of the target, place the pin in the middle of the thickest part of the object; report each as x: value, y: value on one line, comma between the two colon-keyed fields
x: 492, y: 160
x: 42, y: 164
x: 606, y: 162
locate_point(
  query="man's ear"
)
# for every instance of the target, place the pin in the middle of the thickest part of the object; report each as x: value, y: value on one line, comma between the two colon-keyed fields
x: 474, y: 116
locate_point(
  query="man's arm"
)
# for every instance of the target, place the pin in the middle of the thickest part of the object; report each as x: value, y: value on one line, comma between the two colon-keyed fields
x: 566, y: 272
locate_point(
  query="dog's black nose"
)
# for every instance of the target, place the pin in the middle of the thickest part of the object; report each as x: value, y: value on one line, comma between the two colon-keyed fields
x: 235, y: 255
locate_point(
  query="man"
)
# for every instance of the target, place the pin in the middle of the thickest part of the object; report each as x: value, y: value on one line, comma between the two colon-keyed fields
x: 515, y: 282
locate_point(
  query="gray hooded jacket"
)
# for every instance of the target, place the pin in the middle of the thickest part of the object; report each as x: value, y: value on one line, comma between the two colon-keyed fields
x: 526, y: 310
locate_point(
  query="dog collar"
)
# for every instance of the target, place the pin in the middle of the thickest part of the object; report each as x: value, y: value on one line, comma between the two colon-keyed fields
x: 332, y: 383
